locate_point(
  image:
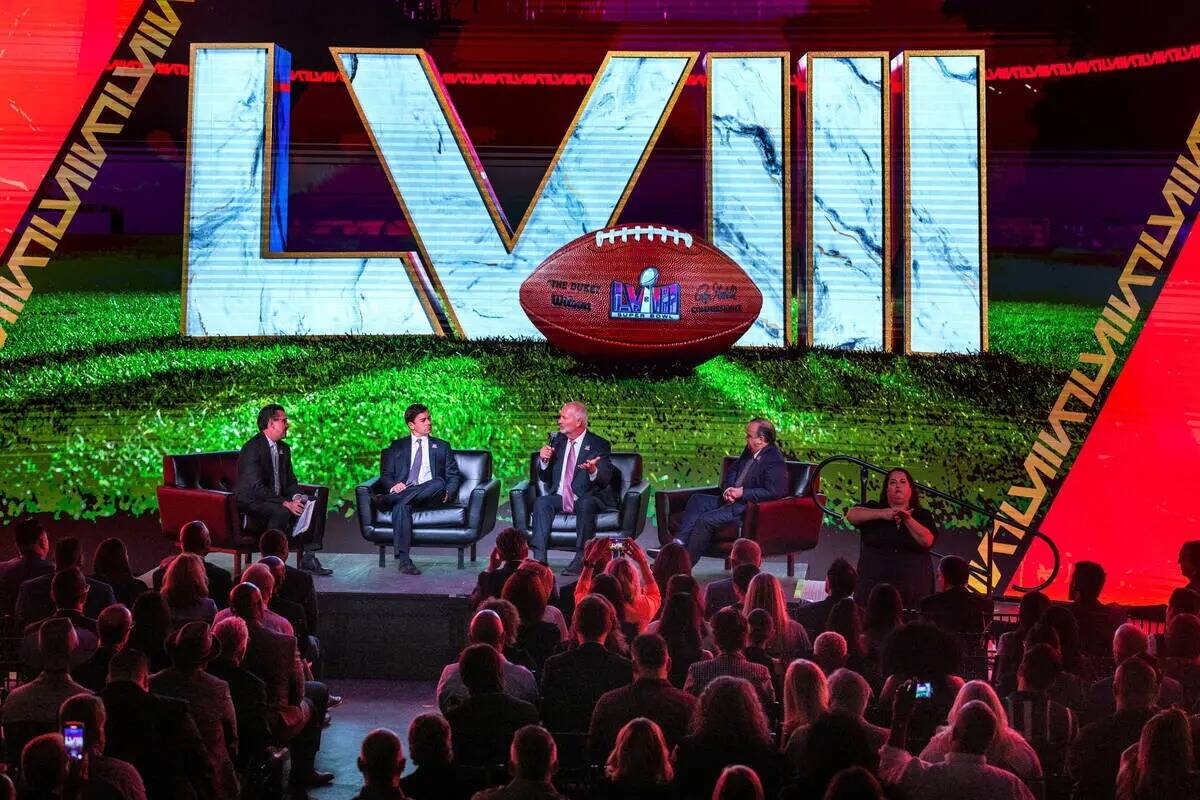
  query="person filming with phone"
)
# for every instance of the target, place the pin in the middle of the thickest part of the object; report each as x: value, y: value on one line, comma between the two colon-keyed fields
x: 578, y: 476
x: 626, y: 561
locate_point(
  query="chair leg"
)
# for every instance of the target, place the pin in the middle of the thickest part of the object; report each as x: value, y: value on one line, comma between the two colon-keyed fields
x: 460, y: 557
x: 791, y: 565
x: 237, y: 563
x: 382, y: 556
x: 473, y: 556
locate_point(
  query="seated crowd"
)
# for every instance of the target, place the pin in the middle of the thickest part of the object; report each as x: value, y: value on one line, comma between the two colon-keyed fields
x: 633, y: 682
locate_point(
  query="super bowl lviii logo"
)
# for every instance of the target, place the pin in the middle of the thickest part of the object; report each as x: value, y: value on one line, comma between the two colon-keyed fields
x: 646, y: 299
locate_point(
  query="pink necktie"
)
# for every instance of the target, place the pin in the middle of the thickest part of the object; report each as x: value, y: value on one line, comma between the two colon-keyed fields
x: 568, y: 496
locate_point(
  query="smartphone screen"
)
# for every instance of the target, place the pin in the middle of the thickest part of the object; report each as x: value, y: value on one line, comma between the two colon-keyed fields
x: 73, y: 739
x: 924, y: 691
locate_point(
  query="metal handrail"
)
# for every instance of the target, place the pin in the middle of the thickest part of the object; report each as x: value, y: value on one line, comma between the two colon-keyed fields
x: 866, y: 467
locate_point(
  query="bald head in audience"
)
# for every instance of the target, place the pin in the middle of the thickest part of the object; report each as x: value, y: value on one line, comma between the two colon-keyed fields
x: 1128, y: 641
x: 974, y: 728
x: 260, y: 575
x: 246, y: 601
x: 113, y: 626
x: 487, y: 628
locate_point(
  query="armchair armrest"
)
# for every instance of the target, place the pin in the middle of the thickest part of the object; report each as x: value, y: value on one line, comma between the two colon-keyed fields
x: 481, y: 509
x: 216, y: 509
x: 521, y: 498
x: 673, y: 501
x: 783, y: 526
x: 634, y: 505
x: 364, y: 505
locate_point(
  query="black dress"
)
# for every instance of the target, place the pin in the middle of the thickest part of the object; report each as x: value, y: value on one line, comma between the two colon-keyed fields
x: 889, y: 554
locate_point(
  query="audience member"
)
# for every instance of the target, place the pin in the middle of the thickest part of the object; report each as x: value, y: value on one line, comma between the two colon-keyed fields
x: 45, y: 768
x: 850, y: 694
x: 956, y: 608
x: 634, y: 575
x: 512, y: 624
x: 1007, y: 749
x: 1159, y: 766
x: 1075, y: 661
x: 834, y: 742
x: 719, y: 594
x: 650, y: 695
x: 573, y: 681
x: 35, y: 601
x: 760, y: 634
x: 1128, y: 641
x: 263, y: 579
x: 1068, y: 688
x: 296, y: 709
x: 1189, y: 564
x: 310, y: 646
x: 248, y: 691
x: 885, y: 613
x: 682, y: 628
x: 829, y: 651
x: 185, y: 589
x: 482, y: 727
x: 854, y: 783
x: 1183, y: 657
x: 846, y: 620
x: 156, y: 734
x: 194, y: 538
x: 791, y: 640
x: 113, y: 629
x: 106, y: 776
x: 805, y: 697
x: 533, y: 760
x: 381, y: 762
x: 742, y: 575
x: 110, y: 564
x: 32, y: 708
x: 840, y: 580
x: 672, y: 560
x: 151, y: 627
x: 738, y: 783
x: 624, y: 632
x: 297, y: 585
x: 68, y: 591
x: 33, y: 545
x: 534, y: 635
x: 546, y: 580
x: 208, y: 697
x: 965, y: 771
x: 729, y: 632
x: 486, y: 628
x: 729, y: 728
x: 429, y: 750
x: 1095, y: 755
x: 923, y: 653
x: 1048, y: 726
x: 639, y: 764
x: 510, y: 550
x: 1011, y: 647
x: 1096, y: 621
x: 1181, y: 601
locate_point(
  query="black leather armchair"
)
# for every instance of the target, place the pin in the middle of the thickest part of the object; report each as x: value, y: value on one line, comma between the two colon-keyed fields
x: 461, y: 523
x: 629, y: 518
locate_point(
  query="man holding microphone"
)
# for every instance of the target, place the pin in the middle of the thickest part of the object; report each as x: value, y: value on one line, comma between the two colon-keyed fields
x: 578, y: 478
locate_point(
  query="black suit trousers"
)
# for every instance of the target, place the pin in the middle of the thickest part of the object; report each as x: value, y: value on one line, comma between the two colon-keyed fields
x: 547, y: 506
x: 403, y: 503
x: 704, y: 515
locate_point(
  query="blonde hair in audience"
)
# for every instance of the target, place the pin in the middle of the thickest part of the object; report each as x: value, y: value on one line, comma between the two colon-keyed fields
x: 805, y: 695
x: 185, y: 583
x: 765, y: 592
x: 640, y: 755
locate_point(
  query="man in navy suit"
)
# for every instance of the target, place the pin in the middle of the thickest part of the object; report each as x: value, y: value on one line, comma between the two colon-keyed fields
x: 758, y: 475
x: 418, y: 472
x: 579, y: 480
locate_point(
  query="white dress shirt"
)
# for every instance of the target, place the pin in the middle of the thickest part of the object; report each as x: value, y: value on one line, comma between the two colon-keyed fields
x: 426, y: 473
x: 960, y: 776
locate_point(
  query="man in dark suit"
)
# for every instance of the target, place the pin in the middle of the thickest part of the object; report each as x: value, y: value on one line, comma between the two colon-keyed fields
x: 1094, y: 757
x: 419, y: 471
x: 758, y: 475
x: 298, y: 586
x: 194, y: 538
x: 720, y: 594
x: 579, y: 480
x: 248, y: 691
x: 267, y: 489
x: 482, y: 727
x: 156, y: 734
x: 574, y: 680
x: 840, y: 580
x: 33, y: 545
x: 294, y: 717
x: 34, y: 600
x: 956, y: 608
x: 650, y: 695
x: 1098, y: 622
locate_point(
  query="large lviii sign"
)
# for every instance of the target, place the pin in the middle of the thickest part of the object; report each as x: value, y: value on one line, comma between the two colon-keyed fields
x: 470, y: 262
